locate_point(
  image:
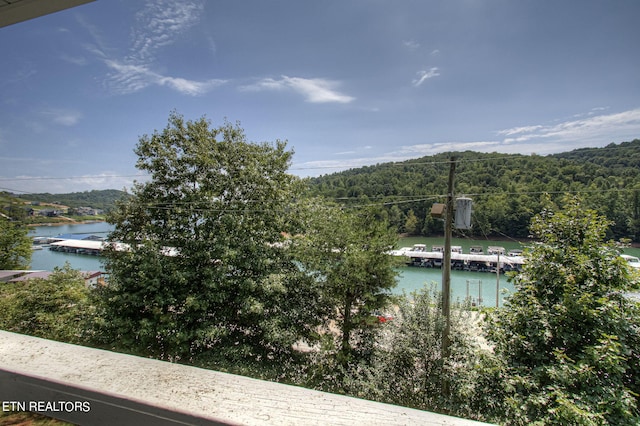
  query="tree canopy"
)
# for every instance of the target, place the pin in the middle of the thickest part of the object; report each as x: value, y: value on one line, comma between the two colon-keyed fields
x: 15, y: 245
x: 568, y: 337
x: 206, y: 272
x: 57, y: 307
x: 346, y: 253
x: 507, y: 189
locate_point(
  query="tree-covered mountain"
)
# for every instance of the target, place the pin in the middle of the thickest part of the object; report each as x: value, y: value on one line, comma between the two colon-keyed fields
x: 97, y: 199
x: 507, y: 189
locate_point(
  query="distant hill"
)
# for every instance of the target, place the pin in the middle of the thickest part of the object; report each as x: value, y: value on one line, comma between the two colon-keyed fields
x: 97, y: 199
x: 507, y: 189
x: 622, y: 159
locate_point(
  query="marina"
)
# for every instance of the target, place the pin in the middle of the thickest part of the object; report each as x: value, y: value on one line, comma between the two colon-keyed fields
x: 480, y: 288
x: 496, y: 259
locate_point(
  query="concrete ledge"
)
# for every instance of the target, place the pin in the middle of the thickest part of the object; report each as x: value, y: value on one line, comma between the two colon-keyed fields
x: 95, y: 387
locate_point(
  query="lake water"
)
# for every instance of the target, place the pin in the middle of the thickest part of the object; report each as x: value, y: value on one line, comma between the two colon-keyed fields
x: 476, y: 285
x: 46, y: 259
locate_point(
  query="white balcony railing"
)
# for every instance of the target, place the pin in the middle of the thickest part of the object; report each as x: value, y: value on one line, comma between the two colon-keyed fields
x: 89, y: 386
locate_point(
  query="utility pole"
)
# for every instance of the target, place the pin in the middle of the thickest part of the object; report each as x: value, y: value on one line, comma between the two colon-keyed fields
x: 498, y: 281
x: 446, y: 264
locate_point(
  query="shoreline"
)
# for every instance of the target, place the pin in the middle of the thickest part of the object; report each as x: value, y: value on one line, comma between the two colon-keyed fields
x: 70, y: 222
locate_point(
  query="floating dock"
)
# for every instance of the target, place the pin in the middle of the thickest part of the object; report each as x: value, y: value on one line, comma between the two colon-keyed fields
x: 418, y: 255
x: 93, y: 248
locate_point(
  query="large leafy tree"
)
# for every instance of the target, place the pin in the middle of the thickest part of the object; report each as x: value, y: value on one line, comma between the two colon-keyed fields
x: 568, y: 338
x: 205, y: 274
x: 15, y: 245
x: 346, y: 252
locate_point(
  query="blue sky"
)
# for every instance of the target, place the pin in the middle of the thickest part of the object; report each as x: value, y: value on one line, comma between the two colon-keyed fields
x: 345, y: 82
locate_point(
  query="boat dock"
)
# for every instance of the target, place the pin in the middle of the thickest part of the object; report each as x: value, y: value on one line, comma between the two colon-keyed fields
x: 92, y: 248
x: 477, y: 261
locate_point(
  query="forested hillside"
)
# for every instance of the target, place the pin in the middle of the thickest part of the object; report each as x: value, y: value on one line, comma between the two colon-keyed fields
x: 507, y: 189
x: 97, y: 199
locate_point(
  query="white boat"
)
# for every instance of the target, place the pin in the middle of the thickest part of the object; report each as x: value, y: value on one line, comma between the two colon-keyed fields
x: 633, y: 261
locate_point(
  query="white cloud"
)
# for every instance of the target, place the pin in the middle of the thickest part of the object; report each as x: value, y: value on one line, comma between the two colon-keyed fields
x: 518, y: 130
x: 55, y: 185
x: 314, y: 90
x: 406, y: 152
x: 425, y: 75
x: 63, y: 117
x: 419, y: 150
x: 411, y: 44
x: 190, y: 87
x: 130, y: 78
x: 159, y: 24
x: 541, y: 139
x: 595, y: 129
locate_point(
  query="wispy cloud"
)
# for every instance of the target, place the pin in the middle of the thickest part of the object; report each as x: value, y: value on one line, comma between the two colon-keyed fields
x: 598, y: 130
x: 58, y: 185
x: 424, y: 75
x: 411, y: 44
x: 130, y: 78
x: 159, y: 24
x: 63, y: 117
x: 314, y: 90
x: 420, y: 150
x: 567, y: 134
x: 403, y: 153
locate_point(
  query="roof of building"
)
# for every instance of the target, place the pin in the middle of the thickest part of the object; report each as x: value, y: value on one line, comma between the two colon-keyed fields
x: 89, y: 237
x: 80, y: 244
x: 14, y: 11
x: 31, y: 275
x: 6, y: 275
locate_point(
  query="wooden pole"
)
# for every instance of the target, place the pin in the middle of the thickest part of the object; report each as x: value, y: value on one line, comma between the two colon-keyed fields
x: 446, y: 264
x: 498, y: 281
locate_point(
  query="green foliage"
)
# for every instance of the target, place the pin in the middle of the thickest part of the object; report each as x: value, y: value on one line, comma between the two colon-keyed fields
x: 15, y: 245
x: 207, y: 276
x: 411, y: 224
x: 568, y: 337
x: 346, y: 253
x: 55, y: 308
x: 410, y: 369
x: 507, y: 188
x: 97, y: 199
x: 406, y: 366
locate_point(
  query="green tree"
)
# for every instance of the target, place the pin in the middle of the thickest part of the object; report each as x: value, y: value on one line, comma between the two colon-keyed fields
x: 57, y: 307
x: 15, y: 245
x: 411, y: 224
x: 408, y: 368
x: 346, y: 251
x: 568, y: 337
x: 206, y: 276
